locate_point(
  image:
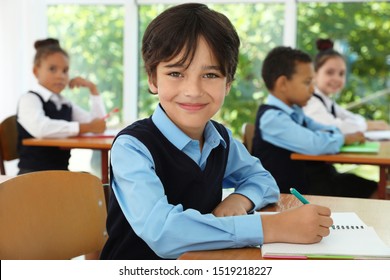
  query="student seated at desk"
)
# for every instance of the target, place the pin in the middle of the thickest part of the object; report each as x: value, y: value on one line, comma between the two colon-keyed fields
x: 168, y: 170
x: 330, y: 74
x: 282, y: 128
x: 44, y: 113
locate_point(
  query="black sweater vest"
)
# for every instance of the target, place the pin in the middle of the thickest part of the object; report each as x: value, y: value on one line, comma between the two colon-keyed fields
x: 287, y: 173
x: 44, y: 158
x: 183, y: 180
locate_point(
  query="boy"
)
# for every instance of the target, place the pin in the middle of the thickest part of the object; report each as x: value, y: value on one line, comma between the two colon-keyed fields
x: 282, y: 128
x: 168, y: 170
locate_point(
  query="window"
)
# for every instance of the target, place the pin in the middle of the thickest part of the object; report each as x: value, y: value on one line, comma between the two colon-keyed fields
x: 93, y: 38
x: 360, y: 32
x: 94, y: 35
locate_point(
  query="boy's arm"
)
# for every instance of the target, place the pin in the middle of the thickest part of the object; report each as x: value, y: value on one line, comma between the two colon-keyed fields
x: 249, y: 179
x: 279, y: 129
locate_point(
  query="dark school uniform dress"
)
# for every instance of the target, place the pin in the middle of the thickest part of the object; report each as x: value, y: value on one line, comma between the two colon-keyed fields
x: 44, y: 158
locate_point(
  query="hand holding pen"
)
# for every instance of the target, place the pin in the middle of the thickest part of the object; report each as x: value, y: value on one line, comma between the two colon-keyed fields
x: 299, y: 196
x: 109, y: 114
x: 306, y: 224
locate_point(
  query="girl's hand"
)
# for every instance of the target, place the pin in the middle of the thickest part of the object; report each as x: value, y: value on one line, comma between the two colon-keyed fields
x: 97, y: 125
x: 305, y: 224
x: 81, y: 82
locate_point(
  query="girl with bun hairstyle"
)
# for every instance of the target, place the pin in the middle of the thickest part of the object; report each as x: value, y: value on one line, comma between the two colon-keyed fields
x: 330, y: 75
x: 44, y: 113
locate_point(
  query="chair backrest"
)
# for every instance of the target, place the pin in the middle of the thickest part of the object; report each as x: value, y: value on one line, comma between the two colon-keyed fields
x: 248, y: 131
x: 51, y: 215
x: 8, y: 141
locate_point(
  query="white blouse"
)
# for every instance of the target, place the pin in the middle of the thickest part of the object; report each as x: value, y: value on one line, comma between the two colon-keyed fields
x: 32, y: 117
x: 345, y: 120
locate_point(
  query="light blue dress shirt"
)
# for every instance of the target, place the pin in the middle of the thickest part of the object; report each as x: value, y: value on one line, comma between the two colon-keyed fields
x: 278, y: 128
x: 168, y: 229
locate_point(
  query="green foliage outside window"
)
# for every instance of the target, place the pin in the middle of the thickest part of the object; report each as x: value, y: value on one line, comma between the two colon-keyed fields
x: 362, y: 32
x: 93, y: 36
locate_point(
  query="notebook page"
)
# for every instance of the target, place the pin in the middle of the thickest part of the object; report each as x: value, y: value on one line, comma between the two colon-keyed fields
x: 355, y: 240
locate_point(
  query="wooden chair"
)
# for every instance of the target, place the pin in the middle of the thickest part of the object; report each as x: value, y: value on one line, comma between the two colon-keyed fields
x: 8, y: 141
x: 52, y: 215
x: 248, y: 131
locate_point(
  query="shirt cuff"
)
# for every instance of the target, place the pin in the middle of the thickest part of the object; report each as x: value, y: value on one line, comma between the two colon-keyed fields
x: 249, y: 230
x: 74, y: 128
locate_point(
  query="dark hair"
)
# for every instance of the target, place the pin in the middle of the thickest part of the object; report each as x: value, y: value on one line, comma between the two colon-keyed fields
x: 47, y: 47
x: 281, y: 61
x: 178, y: 29
x: 325, y: 51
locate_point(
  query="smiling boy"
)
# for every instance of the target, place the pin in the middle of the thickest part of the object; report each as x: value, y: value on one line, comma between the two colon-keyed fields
x: 168, y: 170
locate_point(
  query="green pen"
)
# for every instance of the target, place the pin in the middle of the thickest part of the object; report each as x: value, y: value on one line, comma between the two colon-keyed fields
x: 299, y: 196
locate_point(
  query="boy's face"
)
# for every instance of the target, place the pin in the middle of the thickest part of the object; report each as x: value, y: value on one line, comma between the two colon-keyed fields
x: 191, y: 96
x: 299, y: 89
x: 330, y: 78
x: 52, y: 72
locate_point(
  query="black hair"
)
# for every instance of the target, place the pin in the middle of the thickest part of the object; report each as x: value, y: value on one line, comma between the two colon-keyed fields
x: 325, y: 51
x: 45, y: 48
x: 178, y: 29
x: 281, y: 61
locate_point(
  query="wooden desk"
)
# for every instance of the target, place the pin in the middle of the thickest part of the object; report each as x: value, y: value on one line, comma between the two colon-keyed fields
x: 382, y: 159
x: 373, y: 212
x: 94, y: 143
x: 5, y: 178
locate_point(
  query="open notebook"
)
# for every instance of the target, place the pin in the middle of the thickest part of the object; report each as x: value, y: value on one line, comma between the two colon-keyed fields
x: 349, y: 238
x: 366, y: 147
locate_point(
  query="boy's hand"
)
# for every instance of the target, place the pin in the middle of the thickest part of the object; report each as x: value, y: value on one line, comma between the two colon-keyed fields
x: 81, y: 82
x: 233, y: 205
x: 357, y: 137
x: 306, y: 224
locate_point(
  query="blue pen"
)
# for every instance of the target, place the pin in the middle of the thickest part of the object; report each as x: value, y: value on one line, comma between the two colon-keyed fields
x: 299, y: 196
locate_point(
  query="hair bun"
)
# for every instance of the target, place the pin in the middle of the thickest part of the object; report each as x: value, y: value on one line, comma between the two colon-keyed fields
x: 45, y: 43
x: 324, y: 44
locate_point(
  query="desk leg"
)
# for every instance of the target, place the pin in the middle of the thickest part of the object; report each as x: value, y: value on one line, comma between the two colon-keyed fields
x: 382, y: 181
x: 104, y: 167
x: 105, y: 178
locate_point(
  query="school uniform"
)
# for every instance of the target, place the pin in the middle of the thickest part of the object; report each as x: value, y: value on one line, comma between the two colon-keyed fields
x: 281, y: 130
x: 43, y: 114
x: 324, y: 110
x: 164, y: 189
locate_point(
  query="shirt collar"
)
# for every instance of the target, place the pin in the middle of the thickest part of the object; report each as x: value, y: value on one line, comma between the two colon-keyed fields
x: 320, y: 93
x: 177, y: 137
x: 328, y: 101
x: 293, y: 110
x: 49, y: 95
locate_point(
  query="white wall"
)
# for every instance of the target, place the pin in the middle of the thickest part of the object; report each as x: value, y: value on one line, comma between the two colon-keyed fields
x: 21, y: 23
